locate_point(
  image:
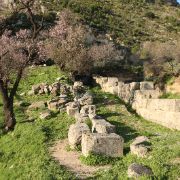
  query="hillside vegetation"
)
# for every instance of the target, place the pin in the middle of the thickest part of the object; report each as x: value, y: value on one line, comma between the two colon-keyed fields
x: 127, y: 22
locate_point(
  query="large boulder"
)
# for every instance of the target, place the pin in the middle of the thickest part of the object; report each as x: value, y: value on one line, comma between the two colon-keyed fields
x: 75, y: 134
x: 105, y: 144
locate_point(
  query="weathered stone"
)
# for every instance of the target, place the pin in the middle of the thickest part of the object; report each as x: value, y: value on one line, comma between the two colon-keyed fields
x: 87, y: 99
x: 139, y: 150
x: 45, y: 115
x: 146, y: 85
x: 36, y: 88
x: 81, y: 118
x: 105, y: 144
x: 53, y: 105
x: 75, y: 134
x: 138, y: 146
x: 88, y: 109
x: 102, y: 126
x: 140, y: 140
x: 37, y: 105
x: 137, y: 170
x: 72, y: 111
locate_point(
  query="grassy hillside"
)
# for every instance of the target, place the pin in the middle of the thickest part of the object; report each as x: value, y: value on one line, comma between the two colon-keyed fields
x: 128, y: 22
x: 24, y: 152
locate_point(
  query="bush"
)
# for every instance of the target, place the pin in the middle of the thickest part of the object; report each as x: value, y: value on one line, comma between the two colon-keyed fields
x: 161, y: 59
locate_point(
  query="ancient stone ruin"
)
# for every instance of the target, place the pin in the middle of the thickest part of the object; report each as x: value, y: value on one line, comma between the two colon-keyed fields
x: 144, y: 98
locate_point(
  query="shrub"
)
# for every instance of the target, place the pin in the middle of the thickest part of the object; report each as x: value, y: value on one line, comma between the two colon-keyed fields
x: 161, y: 59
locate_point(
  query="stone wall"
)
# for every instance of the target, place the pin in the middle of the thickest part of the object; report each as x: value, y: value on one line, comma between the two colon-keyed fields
x: 144, y: 98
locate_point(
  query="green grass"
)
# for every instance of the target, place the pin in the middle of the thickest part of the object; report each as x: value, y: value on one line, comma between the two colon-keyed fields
x: 24, y: 152
x: 170, y: 96
x: 94, y: 160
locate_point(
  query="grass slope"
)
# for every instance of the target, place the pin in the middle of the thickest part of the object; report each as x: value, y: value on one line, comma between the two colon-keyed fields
x: 24, y: 152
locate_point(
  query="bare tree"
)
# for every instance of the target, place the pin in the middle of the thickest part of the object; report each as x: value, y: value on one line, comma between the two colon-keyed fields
x: 17, y: 51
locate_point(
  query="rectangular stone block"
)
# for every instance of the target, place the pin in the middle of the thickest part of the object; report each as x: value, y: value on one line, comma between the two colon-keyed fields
x: 102, y: 126
x: 104, y: 144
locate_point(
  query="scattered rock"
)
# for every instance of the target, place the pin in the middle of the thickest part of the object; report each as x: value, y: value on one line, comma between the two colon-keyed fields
x: 72, y: 111
x: 139, y: 150
x: 105, y: 144
x: 138, y: 146
x: 88, y: 109
x: 37, y: 105
x: 75, y: 134
x: 45, y: 115
x: 81, y: 118
x: 136, y: 170
x: 87, y: 99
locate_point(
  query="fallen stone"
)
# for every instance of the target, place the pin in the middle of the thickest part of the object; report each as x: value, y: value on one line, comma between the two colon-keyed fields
x: 72, y: 111
x: 36, y: 88
x: 88, y: 109
x: 140, y: 140
x: 37, y: 105
x: 136, y: 170
x: 87, y: 99
x: 139, y: 150
x: 81, y: 118
x: 75, y: 134
x: 105, y: 144
x: 138, y: 146
x: 53, y: 105
x: 45, y: 115
x: 102, y: 126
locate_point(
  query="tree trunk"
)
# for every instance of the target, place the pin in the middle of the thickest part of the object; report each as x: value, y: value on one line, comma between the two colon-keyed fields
x: 9, y: 117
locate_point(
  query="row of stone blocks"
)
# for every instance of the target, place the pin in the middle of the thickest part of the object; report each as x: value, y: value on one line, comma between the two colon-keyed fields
x: 144, y: 98
x: 99, y: 138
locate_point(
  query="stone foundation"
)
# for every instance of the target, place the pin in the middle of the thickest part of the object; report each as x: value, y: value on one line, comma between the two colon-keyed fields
x: 145, y: 100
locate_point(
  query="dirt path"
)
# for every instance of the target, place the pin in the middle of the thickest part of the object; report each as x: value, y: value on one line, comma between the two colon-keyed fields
x: 70, y: 159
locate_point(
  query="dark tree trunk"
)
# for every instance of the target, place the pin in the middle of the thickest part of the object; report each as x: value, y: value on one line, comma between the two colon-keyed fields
x: 9, y: 117
x: 8, y: 110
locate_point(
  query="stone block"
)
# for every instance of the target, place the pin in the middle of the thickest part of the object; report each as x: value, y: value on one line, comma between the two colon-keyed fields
x: 75, y: 134
x: 88, y: 109
x: 102, y: 126
x: 104, y: 144
x: 72, y: 111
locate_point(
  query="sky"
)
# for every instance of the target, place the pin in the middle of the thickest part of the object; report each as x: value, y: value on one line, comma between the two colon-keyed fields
x: 178, y: 1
